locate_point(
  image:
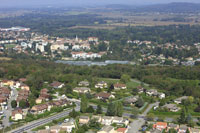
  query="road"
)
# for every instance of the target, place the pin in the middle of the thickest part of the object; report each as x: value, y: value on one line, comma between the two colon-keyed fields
x: 7, y: 112
x: 135, y: 126
x: 37, y: 123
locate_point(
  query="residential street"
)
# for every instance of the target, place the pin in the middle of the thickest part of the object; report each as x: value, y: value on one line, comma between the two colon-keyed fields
x: 7, y: 112
x: 135, y: 126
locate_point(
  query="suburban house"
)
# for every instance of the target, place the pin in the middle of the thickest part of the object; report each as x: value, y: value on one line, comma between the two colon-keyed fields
x: 84, y: 119
x: 84, y: 83
x: 101, y: 85
x: 171, y: 107
x: 55, y: 129
x: 122, y: 130
x: 131, y: 100
x: 182, y: 129
x: 160, y: 126
x: 17, y: 114
x: 172, y: 126
x: 22, y: 95
x: 106, y: 120
x: 9, y: 83
x: 161, y: 95
x: 140, y: 89
x: 107, y: 129
x: 119, y: 86
x: 40, y: 100
x: 120, y: 121
x: 44, y: 96
x: 81, y: 89
x: 179, y: 100
x: 67, y: 126
x: 97, y: 118
x: 194, y: 130
x: 104, y: 96
x: 39, y: 109
x: 151, y: 92
x: 25, y: 87
x: 57, y: 85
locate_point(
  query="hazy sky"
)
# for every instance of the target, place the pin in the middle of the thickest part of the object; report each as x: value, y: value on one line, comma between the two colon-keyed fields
x: 17, y: 3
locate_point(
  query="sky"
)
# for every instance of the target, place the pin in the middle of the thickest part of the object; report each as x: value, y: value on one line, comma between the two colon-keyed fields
x: 28, y: 3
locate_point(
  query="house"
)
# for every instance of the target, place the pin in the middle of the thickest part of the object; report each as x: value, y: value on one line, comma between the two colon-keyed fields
x: 57, y: 85
x: 17, y: 114
x: 151, y: 92
x: 120, y: 121
x: 160, y: 126
x: 106, y: 120
x: 140, y: 89
x: 40, y: 100
x: 101, y: 85
x: 122, y: 130
x: 55, y: 129
x: 81, y: 89
x: 161, y: 95
x: 104, y: 96
x: 7, y: 83
x: 131, y: 100
x: 171, y: 107
x: 39, y: 109
x: 107, y: 129
x: 97, y: 118
x: 172, y: 126
x: 84, y: 83
x: 84, y: 119
x: 179, y: 100
x: 194, y: 130
x: 182, y: 129
x: 68, y: 126
x: 25, y: 87
x: 118, y: 86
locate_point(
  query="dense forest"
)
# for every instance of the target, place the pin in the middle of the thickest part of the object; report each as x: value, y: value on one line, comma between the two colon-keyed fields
x: 172, y: 80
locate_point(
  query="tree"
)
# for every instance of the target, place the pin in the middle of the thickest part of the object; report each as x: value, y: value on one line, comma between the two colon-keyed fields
x: 162, y: 102
x: 111, y: 88
x: 125, y: 78
x: 73, y: 114
x: 94, y: 124
x: 14, y: 104
x: 135, y: 111
x: 139, y: 103
x: 172, y: 131
x: 84, y: 104
x: 90, y: 109
x: 99, y: 109
x: 111, y: 109
x: 182, y: 118
x: 23, y: 104
x: 119, y: 107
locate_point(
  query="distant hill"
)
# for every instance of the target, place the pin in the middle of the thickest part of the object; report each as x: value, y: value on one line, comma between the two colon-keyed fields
x: 173, y: 7
x: 177, y: 7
